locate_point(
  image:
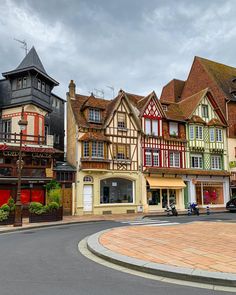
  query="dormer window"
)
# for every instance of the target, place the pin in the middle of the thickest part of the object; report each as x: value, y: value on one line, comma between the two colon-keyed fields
x: 94, y: 115
x: 164, y: 107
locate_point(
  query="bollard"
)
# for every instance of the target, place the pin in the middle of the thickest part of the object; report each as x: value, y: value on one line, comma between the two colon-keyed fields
x: 208, y: 209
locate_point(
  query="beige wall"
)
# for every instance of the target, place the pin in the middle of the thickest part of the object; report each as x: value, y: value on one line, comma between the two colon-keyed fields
x: 71, y: 136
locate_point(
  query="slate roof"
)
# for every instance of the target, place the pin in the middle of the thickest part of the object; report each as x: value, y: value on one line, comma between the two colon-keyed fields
x: 31, y: 62
x: 222, y: 74
x: 64, y: 166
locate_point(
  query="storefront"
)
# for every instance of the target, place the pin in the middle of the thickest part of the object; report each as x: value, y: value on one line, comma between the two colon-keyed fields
x: 161, y: 192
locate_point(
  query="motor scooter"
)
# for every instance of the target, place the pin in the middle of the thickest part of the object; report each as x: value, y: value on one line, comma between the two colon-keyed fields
x: 173, y: 209
x: 194, y: 208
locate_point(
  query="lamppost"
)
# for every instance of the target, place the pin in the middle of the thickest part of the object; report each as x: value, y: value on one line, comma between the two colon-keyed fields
x: 18, y: 218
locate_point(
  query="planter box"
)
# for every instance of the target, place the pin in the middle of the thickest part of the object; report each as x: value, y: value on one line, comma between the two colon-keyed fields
x: 46, y: 217
x: 9, y: 220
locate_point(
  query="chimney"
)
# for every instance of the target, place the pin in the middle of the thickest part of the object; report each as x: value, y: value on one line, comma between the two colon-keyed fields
x: 72, y: 89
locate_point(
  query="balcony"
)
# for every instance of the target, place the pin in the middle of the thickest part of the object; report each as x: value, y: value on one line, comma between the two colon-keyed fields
x: 94, y: 164
x: 14, y: 138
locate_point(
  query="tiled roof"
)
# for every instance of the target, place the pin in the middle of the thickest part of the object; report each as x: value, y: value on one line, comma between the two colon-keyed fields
x: 189, y: 104
x: 196, y: 119
x: 95, y: 102
x: 174, y: 112
x: 215, y: 122
x: 172, y: 91
x: 94, y: 136
x: 222, y: 74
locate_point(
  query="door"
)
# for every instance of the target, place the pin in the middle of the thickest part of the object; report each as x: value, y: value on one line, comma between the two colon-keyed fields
x: 106, y: 194
x: 67, y: 201
x: 88, y: 197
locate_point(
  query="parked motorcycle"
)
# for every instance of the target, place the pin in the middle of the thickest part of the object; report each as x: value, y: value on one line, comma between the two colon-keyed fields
x: 194, y: 208
x: 173, y: 209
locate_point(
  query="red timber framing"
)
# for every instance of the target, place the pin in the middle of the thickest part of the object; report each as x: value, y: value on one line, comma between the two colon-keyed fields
x: 157, y: 143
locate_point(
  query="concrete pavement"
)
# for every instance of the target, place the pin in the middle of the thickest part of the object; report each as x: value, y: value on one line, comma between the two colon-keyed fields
x: 199, y: 251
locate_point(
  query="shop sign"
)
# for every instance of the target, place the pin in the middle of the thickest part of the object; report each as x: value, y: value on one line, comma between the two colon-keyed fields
x: 41, y: 155
x: 12, y: 154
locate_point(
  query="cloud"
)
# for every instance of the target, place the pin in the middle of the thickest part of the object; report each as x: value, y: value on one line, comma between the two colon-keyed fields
x: 135, y: 47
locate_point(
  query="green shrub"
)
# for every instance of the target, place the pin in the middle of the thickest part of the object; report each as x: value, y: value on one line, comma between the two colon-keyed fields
x: 11, y: 204
x: 5, y: 208
x: 53, y: 206
x: 55, y: 195
x: 35, y: 207
x: 3, y: 215
x: 53, y: 184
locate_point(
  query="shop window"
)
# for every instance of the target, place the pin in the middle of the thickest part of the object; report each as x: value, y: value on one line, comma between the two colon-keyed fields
x: 173, y: 129
x: 219, y: 137
x: 199, y: 132
x: 88, y: 179
x: 174, y: 159
x: 209, y: 193
x: 216, y: 162
x: 121, y: 117
x: 154, y: 197
x: 196, y: 161
x: 212, y: 134
x: 205, y: 111
x: 116, y: 190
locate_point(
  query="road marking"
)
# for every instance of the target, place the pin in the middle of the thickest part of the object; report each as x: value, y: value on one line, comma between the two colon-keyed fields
x: 165, y: 224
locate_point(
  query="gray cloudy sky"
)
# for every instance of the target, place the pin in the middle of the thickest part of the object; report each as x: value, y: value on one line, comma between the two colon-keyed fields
x: 136, y: 45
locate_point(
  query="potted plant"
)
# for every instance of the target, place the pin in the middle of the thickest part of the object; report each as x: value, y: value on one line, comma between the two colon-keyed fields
x: 44, y: 213
x: 7, y: 212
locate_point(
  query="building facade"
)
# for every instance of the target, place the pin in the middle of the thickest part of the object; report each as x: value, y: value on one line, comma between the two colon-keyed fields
x: 30, y: 87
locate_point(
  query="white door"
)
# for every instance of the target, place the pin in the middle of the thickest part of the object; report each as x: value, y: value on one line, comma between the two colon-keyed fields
x: 88, y: 197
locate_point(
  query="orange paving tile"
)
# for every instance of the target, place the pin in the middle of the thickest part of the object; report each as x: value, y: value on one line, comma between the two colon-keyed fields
x: 208, y: 246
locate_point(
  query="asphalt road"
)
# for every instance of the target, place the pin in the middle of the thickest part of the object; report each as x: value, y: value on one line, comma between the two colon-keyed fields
x: 47, y: 262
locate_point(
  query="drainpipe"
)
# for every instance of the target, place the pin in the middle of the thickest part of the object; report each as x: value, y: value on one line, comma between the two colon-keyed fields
x: 227, y: 143
x: 77, y: 169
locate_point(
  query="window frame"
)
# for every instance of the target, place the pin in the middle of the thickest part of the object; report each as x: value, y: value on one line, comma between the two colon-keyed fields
x: 197, y: 156
x: 173, y: 133
x: 197, y: 133
x: 212, y: 134
x: 126, y: 153
x: 191, y: 132
x: 174, y: 154
x: 216, y: 160
x: 205, y: 108
x: 97, y: 150
x: 218, y: 132
x: 94, y: 115
x: 85, y: 149
x: 123, y: 122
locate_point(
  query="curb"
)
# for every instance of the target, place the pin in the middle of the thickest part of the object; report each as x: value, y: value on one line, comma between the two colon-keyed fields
x: 181, y: 214
x: 174, y: 272
x: 17, y: 229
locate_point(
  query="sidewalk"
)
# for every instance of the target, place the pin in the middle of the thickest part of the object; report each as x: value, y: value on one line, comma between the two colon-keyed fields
x: 200, y: 251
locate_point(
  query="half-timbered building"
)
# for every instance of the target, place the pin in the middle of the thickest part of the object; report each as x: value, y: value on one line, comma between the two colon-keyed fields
x: 103, y: 144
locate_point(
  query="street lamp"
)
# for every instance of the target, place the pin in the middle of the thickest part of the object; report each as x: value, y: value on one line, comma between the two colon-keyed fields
x: 18, y: 218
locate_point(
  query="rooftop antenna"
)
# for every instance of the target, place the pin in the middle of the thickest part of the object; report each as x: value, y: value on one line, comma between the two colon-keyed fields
x: 99, y: 92
x: 24, y: 45
x: 113, y: 90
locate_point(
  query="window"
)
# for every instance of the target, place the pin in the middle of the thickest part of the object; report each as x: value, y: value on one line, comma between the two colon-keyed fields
x: 174, y: 159
x: 155, y: 127
x: 199, y: 132
x: 191, y: 132
x: 46, y: 130
x: 56, y: 139
x: 43, y: 86
x: 39, y: 84
x: 155, y: 158
x: 88, y: 179
x: 196, y: 161
x: 86, y: 149
x: 147, y: 126
x: 216, y: 162
x: 173, y: 129
x: 94, y: 115
x: 24, y: 82
x: 121, y: 117
x: 97, y: 149
x: 148, y: 158
x: 219, y: 137
x: 19, y: 83
x: 212, y: 134
x: 121, y: 151
x: 116, y: 190
x: 205, y: 111
x: 6, y: 129
x: 164, y: 107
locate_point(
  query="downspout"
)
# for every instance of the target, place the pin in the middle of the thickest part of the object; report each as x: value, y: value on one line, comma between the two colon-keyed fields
x: 227, y: 142
x: 77, y: 169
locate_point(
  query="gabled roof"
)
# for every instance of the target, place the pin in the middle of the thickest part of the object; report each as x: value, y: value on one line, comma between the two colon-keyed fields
x: 223, y: 75
x: 189, y: 104
x: 172, y: 91
x: 174, y: 111
x: 31, y: 62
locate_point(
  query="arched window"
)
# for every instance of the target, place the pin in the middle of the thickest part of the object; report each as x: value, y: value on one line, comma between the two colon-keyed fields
x: 88, y: 179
